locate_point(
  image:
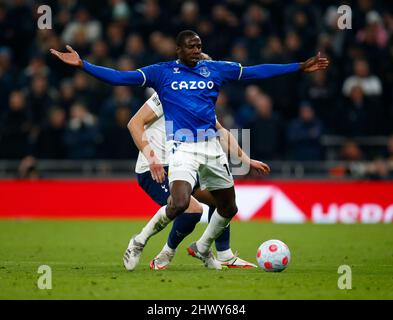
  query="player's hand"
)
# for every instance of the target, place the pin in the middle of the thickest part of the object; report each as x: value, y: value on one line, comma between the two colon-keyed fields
x: 314, y: 64
x: 260, y: 167
x: 157, y: 171
x: 71, y: 57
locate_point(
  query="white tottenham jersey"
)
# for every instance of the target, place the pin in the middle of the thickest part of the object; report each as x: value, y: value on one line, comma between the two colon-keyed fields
x: 155, y: 133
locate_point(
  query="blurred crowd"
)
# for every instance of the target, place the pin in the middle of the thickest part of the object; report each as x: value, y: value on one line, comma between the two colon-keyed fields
x: 52, y: 111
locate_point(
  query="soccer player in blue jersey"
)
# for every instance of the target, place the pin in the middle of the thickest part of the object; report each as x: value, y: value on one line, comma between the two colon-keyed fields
x: 149, y: 123
x: 188, y: 89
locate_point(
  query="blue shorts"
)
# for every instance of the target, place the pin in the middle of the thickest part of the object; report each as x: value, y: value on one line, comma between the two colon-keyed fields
x: 159, y: 192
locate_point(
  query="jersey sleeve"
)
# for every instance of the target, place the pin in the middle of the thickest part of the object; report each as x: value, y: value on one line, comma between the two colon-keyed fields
x: 229, y: 71
x: 111, y: 76
x: 155, y: 104
x: 151, y: 75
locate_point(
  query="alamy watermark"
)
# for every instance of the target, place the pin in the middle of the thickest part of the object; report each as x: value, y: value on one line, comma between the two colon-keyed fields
x: 45, y: 19
x: 344, y: 281
x: 344, y: 20
x: 44, y: 282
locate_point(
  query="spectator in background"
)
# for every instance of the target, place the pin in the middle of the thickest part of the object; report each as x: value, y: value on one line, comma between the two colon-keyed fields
x: 354, y: 116
x: 370, y: 84
x: 303, y: 16
x: 379, y: 169
x: 40, y: 99
x: 36, y: 67
x: 50, y: 140
x: 304, y: 135
x: 223, y: 111
x: 99, y: 56
x: 333, y: 35
x: 205, y: 29
x: 266, y: 130
x: 81, y: 135
x: 351, y: 152
x: 83, y: 89
x: 246, y: 112
x: 373, y: 37
x: 189, y: 15
x: 66, y: 97
x: 15, y: 128
x: 273, y: 52
x: 135, y: 49
x: 293, y: 44
x: 28, y: 169
x: 320, y: 92
x: 121, y: 96
x: 22, y: 33
x: 163, y: 46
x: 150, y: 19
x: 253, y: 40
x: 6, y: 33
x: 7, y: 76
x: 225, y: 28
x: 115, y: 40
x: 82, y: 24
x: 389, y: 149
x: 352, y: 157
x: 299, y: 24
x: 117, y: 142
x: 121, y: 12
x: 241, y: 54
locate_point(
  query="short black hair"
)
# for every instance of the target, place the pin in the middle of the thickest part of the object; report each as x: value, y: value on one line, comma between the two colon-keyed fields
x: 183, y: 35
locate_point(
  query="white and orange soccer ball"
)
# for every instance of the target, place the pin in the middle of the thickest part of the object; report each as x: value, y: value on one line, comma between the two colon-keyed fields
x: 273, y: 256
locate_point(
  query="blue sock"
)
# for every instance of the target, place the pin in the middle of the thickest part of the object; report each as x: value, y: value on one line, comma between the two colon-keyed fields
x: 183, y: 225
x: 222, y: 242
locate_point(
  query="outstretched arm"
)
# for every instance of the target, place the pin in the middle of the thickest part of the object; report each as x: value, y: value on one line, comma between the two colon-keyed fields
x: 136, y: 126
x: 263, y: 71
x: 111, y: 76
x: 230, y: 145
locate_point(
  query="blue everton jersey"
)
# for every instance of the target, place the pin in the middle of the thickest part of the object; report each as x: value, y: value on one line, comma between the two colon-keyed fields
x: 188, y: 95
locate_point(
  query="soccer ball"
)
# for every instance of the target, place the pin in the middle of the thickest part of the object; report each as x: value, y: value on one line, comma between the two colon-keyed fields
x: 273, y: 256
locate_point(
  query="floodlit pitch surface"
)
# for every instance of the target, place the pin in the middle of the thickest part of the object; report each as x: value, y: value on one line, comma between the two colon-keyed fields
x: 86, y: 262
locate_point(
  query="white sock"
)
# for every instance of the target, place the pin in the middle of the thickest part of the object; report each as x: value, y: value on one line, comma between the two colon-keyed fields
x: 225, y: 255
x: 168, y: 248
x: 155, y: 225
x: 215, y: 227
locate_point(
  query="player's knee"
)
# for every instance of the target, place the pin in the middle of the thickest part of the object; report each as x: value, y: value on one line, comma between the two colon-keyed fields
x: 194, y: 207
x: 180, y: 204
x: 228, y: 210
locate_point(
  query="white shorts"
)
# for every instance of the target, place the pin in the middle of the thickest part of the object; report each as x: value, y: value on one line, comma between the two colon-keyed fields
x: 206, y: 158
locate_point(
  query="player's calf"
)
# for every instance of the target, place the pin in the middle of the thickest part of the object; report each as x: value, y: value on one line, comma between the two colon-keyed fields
x: 179, y: 199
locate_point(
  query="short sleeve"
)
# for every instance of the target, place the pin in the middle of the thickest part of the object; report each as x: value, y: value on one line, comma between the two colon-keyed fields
x: 229, y: 71
x: 151, y: 75
x: 155, y: 104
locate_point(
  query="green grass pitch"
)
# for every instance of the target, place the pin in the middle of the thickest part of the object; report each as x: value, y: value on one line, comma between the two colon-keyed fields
x: 86, y: 262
